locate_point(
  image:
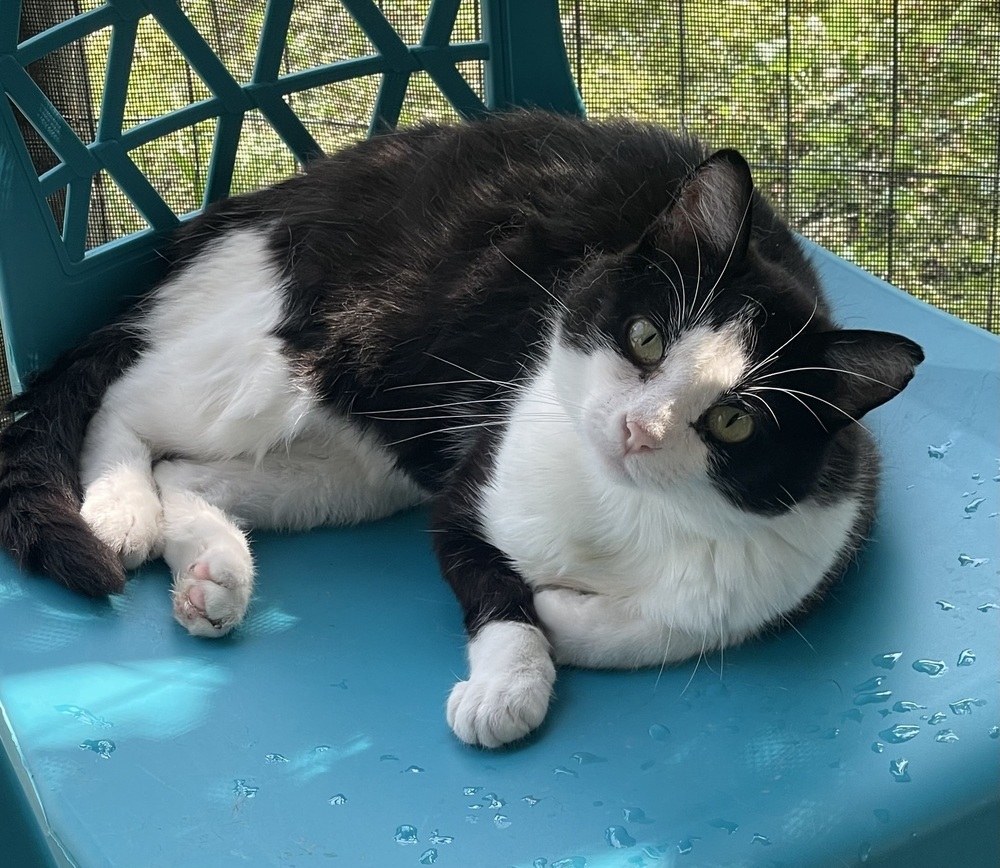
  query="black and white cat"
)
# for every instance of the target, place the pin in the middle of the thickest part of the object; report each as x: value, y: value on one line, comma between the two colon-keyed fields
x: 592, y: 347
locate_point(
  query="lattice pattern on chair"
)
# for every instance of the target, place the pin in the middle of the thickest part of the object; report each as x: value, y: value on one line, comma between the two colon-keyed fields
x: 210, y: 102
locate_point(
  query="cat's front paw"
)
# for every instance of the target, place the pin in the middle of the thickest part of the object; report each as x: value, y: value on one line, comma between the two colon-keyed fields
x: 510, y: 683
x: 123, y: 510
x: 212, y: 595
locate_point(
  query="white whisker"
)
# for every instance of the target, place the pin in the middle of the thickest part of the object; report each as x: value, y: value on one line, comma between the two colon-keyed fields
x: 766, y: 361
x: 796, y: 393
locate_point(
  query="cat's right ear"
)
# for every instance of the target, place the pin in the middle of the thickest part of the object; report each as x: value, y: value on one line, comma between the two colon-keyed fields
x: 713, y: 212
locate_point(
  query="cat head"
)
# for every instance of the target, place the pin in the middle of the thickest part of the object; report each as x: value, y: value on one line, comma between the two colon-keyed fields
x: 703, y: 352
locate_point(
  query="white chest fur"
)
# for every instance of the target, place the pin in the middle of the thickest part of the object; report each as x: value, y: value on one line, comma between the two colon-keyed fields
x: 667, y: 569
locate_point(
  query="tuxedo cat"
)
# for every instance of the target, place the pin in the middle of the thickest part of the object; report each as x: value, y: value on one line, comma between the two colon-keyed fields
x: 593, y: 348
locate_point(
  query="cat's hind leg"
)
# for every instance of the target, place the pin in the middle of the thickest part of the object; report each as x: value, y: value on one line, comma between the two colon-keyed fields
x: 120, y: 502
x: 313, y: 481
x: 210, y: 560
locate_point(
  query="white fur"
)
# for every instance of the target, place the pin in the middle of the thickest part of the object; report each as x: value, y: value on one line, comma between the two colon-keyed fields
x: 637, y: 559
x: 510, y: 683
x: 257, y: 447
x: 634, y: 555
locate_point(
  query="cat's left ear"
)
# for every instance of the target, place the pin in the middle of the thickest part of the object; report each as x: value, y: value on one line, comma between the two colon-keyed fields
x: 870, y: 367
x: 713, y: 212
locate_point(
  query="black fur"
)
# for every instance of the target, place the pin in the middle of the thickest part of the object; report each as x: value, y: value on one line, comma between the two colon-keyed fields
x: 40, y: 496
x: 427, y: 267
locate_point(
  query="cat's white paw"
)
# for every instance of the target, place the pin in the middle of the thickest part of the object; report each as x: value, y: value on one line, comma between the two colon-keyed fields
x: 123, y: 510
x: 212, y: 595
x: 510, y: 683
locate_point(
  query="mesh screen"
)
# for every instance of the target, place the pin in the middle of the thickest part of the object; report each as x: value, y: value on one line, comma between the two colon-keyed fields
x: 873, y: 124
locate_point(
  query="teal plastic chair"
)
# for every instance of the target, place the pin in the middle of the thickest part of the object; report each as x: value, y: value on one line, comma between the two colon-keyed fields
x: 316, y: 733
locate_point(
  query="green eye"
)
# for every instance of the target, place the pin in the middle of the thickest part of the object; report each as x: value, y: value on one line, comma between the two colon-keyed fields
x: 644, y: 341
x: 729, y: 424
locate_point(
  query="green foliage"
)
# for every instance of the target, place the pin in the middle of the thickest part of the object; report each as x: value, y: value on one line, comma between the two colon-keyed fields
x: 879, y: 138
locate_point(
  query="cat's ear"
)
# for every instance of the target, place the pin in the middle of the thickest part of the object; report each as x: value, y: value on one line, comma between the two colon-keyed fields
x: 713, y: 211
x: 868, y: 369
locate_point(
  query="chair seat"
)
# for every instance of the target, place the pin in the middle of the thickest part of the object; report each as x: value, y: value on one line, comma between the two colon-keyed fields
x: 316, y: 733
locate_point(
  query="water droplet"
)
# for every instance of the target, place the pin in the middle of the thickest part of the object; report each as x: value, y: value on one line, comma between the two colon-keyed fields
x: 877, y: 747
x: 904, y: 706
x: 103, y: 747
x: 321, y: 748
x: 501, y: 821
x: 438, y: 838
x: 987, y: 606
x: 387, y: 757
x: 977, y: 477
x: 995, y: 732
x: 539, y: 863
x: 852, y: 714
x: 937, y: 718
x: 658, y: 732
x: 411, y: 770
x: 562, y: 770
x: 973, y: 505
x: 685, y: 846
x: 471, y: 791
x: 275, y: 758
x: 831, y: 733
x: 864, y: 852
x: 871, y: 684
x: 945, y: 605
x: 946, y: 735
x: 531, y: 800
x: 617, y: 837
x: 572, y: 862
x: 339, y: 799
x: 886, y: 661
x: 872, y: 698
x: 405, y: 835
x: 967, y: 657
x: 897, y: 768
x: 760, y: 839
x: 584, y: 758
x: 899, y: 733
x: 495, y: 801
x: 429, y: 857
x: 881, y: 814
x: 242, y: 791
x: 84, y: 716
x: 934, y: 668
x: 964, y: 706
x: 635, y: 815
x: 940, y: 451
x: 723, y: 824
x: 969, y: 561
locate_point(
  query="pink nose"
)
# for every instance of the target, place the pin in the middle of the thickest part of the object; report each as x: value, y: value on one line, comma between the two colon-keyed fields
x: 637, y: 439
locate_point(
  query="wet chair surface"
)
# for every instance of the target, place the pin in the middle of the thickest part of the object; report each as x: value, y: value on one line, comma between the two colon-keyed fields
x: 316, y: 732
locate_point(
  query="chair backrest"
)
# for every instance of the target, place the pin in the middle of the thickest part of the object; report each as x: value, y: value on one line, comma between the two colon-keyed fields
x: 59, y: 278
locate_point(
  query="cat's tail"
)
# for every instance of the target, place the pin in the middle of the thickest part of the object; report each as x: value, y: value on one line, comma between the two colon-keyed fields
x: 40, y: 491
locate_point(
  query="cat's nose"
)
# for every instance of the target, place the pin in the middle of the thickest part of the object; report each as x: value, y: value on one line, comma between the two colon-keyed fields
x: 636, y: 438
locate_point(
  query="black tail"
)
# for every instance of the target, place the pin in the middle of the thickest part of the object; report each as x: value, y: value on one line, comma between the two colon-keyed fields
x: 40, y: 492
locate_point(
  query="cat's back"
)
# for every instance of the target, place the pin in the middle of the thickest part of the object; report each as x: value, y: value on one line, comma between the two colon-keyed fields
x: 438, y: 187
